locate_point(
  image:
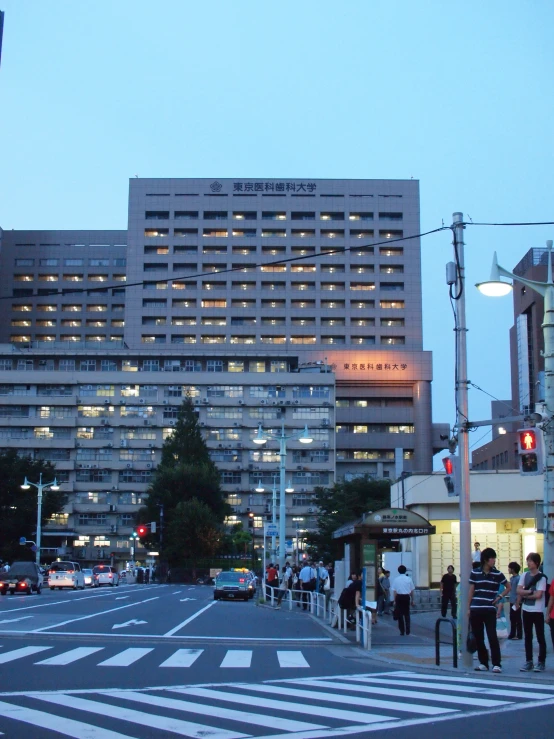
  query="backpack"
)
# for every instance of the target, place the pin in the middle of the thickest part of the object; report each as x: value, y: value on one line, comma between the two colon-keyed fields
x: 529, y: 584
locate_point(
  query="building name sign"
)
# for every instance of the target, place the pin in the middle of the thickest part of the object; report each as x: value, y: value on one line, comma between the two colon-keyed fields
x: 370, y: 366
x: 412, y: 531
x: 273, y: 186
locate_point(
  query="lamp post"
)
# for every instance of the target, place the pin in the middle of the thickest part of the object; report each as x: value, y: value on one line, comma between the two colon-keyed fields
x: 296, y: 522
x: 304, y: 438
x: 495, y: 287
x: 40, y: 486
x: 133, y: 539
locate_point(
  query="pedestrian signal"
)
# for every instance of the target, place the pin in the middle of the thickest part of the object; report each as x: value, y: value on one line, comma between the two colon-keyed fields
x: 529, y: 450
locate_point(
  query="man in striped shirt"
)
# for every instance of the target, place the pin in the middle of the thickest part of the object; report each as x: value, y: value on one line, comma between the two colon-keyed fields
x: 484, y: 584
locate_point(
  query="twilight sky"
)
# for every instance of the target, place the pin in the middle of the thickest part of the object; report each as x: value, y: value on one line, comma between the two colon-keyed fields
x: 456, y: 94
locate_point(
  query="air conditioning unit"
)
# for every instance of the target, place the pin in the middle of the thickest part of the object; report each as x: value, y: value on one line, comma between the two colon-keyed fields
x: 326, y: 402
x: 122, y: 402
x: 172, y: 423
x: 166, y: 402
x: 202, y: 423
x: 86, y: 466
x: 80, y: 466
x: 274, y: 402
x: 147, y: 423
x: 78, y: 400
x: 148, y: 466
x: 196, y: 401
x: 113, y: 509
x: 236, y: 423
x: 124, y: 443
x: 220, y: 446
x: 110, y: 445
x: 141, y: 400
x: 205, y: 400
x: 310, y: 510
x: 326, y: 445
x: 106, y: 402
x: 151, y: 445
x: 262, y: 402
x: 78, y: 443
x: 113, y: 529
x: 129, y: 465
x: 250, y: 466
x: 296, y: 402
x: 302, y: 490
x: 281, y: 402
x: 239, y: 445
x: 325, y: 422
x: 105, y: 422
x: 94, y: 466
x: 241, y: 402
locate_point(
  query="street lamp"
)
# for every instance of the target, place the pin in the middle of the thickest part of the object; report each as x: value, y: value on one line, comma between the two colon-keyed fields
x: 133, y: 539
x: 296, y: 521
x: 304, y: 438
x: 40, y: 486
x: 496, y: 287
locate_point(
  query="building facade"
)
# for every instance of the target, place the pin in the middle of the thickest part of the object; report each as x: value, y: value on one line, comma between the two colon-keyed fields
x: 274, y: 301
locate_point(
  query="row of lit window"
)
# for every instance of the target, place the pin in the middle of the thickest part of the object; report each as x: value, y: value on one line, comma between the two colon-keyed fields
x: 267, y: 215
x: 396, y: 251
x: 251, y: 321
x: 252, y: 303
x: 51, y: 323
x: 274, y: 233
x: 24, y: 339
x: 223, y: 285
x: 334, y: 340
x: 375, y: 428
x: 70, y: 278
x: 147, y: 365
x: 68, y: 308
x: 281, y: 268
x: 69, y: 262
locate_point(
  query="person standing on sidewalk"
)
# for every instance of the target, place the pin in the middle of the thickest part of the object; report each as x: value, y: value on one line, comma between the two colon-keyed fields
x: 484, y: 583
x: 516, y: 625
x: 403, y: 593
x: 448, y: 592
x: 476, y: 555
x: 550, y: 612
x: 532, y: 589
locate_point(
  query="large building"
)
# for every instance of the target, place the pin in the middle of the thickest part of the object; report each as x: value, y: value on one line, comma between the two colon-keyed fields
x: 295, y: 301
x: 526, y: 363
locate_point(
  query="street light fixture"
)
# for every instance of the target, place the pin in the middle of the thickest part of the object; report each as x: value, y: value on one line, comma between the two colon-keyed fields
x: 304, y: 438
x: 495, y: 287
x: 40, y: 486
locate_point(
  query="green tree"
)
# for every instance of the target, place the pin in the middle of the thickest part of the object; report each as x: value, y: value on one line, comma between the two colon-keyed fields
x: 344, y: 502
x: 18, y: 508
x: 193, y: 533
x: 185, y: 472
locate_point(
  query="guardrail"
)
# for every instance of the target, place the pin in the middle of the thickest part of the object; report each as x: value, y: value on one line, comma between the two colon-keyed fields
x: 454, y: 642
x: 327, y: 609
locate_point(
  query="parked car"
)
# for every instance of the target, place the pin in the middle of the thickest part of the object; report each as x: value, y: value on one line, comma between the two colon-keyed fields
x: 232, y: 585
x: 105, y: 575
x: 88, y: 578
x: 23, y: 577
x: 66, y: 575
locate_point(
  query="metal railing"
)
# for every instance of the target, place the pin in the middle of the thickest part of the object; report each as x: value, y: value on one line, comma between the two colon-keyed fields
x: 454, y: 642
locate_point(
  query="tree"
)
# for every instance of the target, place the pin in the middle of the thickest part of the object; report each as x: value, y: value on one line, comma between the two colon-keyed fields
x: 193, y: 533
x: 18, y: 508
x: 345, y: 501
x: 185, y: 472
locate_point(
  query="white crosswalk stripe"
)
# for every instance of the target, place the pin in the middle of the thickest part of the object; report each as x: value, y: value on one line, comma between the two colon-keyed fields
x: 125, y: 658
x: 237, y: 658
x: 68, y: 658
x: 307, y: 708
x: 182, y: 658
x: 20, y: 653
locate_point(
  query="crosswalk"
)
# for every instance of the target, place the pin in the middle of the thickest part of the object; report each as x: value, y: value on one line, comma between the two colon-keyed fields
x: 180, y: 658
x: 308, y: 708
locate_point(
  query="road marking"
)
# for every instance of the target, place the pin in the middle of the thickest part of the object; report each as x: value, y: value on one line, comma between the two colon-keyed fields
x: 176, y: 592
x: 291, y: 659
x: 313, y: 641
x: 243, y: 699
x: 158, y: 722
x: 471, y: 681
x: 183, y: 600
x: 413, y: 694
x: 92, y: 615
x: 133, y: 622
x: 13, y: 620
x: 126, y: 658
x: 60, y: 724
x: 313, y: 695
x: 237, y: 658
x: 182, y: 658
x: 72, y: 656
x: 122, y: 597
x: 244, y: 717
x: 19, y: 653
x: 191, y: 618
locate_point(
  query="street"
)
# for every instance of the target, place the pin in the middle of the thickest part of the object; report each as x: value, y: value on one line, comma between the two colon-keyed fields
x: 167, y: 660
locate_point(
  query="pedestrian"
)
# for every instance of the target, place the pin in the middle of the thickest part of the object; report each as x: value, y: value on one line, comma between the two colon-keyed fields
x: 516, y: 624
x: 484, y: 583
x: 385, y: 584
x: 350, y: 598
x: 403, y: 594
x: 476, y: 555
x: 271, y: 579
x: 550, y: 612
x: 322, y: 577
x: 532, y: 591
x: 307, y: 579
x: 448, y: 592
x: 286, y: 584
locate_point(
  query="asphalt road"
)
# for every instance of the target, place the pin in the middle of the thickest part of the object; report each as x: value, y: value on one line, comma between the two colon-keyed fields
x: 161, y: 661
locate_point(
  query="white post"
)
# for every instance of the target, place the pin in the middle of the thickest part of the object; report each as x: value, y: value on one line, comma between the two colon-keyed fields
x: 39, y: 518
x: 463, y: 440
x: 282, y: 505
x: 548, y: 427
x: 274, y: 518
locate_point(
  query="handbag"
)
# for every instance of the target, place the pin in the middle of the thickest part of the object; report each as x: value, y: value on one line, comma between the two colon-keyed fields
x: 502, y: 627
x: 326, y: 584
x: 471, y: 644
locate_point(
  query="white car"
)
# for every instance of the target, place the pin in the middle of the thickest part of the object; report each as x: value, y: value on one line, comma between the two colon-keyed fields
x: 65, y: 575
x: 89, y: 578
x: 104, y: 575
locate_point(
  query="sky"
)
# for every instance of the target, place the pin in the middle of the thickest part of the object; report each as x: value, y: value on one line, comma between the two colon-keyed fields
x: 456, y: 94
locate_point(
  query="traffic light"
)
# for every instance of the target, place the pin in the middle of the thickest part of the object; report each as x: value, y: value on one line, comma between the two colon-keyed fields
x: 250, y: 520
x: 452, y: 479
x: 142, y: 530
x: 529, y: 445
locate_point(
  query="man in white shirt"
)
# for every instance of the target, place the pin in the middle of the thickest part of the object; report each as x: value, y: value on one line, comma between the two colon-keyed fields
x: 307, y: 579
x: 531, y: 589
x: 476, y: 555
x: 403, y: 593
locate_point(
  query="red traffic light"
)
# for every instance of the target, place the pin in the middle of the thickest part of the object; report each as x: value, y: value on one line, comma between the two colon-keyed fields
x: 527, y: 440
x: 142, y: 530
x: 448, y: 466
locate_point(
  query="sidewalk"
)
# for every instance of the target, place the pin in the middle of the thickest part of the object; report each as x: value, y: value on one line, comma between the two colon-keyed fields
x: 418, y: 649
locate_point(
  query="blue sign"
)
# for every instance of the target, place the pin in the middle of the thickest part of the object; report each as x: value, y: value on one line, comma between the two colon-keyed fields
x: 34, y: 548
x: 289, y: 542
x: 22, y: 540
